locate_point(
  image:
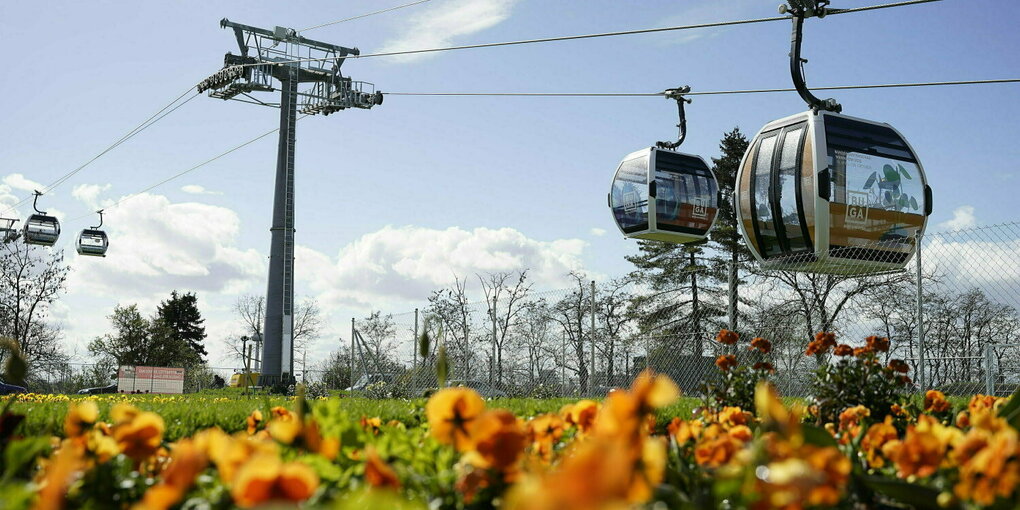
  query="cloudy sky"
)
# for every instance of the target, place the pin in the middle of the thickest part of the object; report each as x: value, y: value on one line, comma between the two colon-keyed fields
x: 398, y: 200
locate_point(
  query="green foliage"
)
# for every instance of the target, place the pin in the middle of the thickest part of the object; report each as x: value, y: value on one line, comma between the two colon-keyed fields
x: 852, y: 381
x: 180, y: 320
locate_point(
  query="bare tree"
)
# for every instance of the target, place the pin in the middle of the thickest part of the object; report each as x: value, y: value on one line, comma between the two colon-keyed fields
x: 307, y: 325
x: 450, y: 307
x: 31, y: 280
x: 504, y: 294
x: 377, y: 330
x: 612, y: 312
x: 571, y: 313
x: 251, y: 310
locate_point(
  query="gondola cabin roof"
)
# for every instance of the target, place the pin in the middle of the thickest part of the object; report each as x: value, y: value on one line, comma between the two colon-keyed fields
x: 681, y: 187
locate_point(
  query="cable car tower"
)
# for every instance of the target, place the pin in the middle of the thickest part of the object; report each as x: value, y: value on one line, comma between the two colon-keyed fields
x: 308, y: 77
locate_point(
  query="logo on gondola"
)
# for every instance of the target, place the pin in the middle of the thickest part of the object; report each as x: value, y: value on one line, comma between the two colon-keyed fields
x: 856, y: 207
x: 700, y: 208
x: 630, y: 202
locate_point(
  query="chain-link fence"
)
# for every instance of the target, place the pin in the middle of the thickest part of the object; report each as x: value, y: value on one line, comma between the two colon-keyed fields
x: 956, y: 296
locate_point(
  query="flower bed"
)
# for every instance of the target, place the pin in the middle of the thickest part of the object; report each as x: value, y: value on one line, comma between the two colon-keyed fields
x: 865, y: 445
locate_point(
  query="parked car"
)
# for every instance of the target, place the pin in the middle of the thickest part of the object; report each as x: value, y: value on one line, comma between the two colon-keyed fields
x: 110, y: 388
x: 369, y: 379
x: 483, y: 388
x: 7, y: 389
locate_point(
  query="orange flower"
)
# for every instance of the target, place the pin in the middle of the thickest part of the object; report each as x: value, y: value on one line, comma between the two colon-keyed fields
x: 764, y: 366
x: 624, y: 413
x: 877, y: 343
x: 450, y: 413
x: 58, y: 475
x: 582, y: 414
x: 935, y: 402
x: 733, y: 416
x: 821, y: 344
x: 266, y: 478
x: 138, y: 434
x: 654, y: 390
x: 684, y: 431
x: 761, y: 344
x: 716, y: 447
x: 922, y: 449
x: 378, y: 473
x: 186, y: 461
x: 80, y: 417
x: 877, y: 436
x: 543, y: 432
x: 726, y: 362
x: 254, y: 420
x: 861, y: 352
x: 843, y: 350
x: 898, y: 365
x: 727, y: 337
x: 649, y: 470
x: 498, y: 439
x: 990, y: 466
x: 962, y: 420
x: 371, y: 424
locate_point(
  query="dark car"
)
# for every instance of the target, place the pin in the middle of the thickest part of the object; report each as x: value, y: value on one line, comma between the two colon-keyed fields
x: 112, y: 388
x: 7, y: 389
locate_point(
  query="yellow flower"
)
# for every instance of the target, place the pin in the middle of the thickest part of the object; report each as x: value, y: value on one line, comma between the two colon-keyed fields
x: 450, y: 413
x: 186, y: 461
x: 716, y: 447
x: 498, y: 439
x: 543, y: 432
x: 80, y: 417
x: 371, y: 424
x: 266, y: 478
x: 989, y: 465
x: 684, y: 431
x: 582, y: 414
x: 935, y: 402
x: 875, y: 438
x: 254, y: 420
x: 650, y: 469
x: 138, y: 434
x: 378, y: 473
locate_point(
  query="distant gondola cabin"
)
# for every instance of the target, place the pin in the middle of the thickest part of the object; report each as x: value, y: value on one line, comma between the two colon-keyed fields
x: 684, y: 191
x: 824, y: 192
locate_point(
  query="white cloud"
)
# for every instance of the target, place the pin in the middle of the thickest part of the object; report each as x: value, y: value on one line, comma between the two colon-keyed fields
x: 195, y: 189
x: 19, y: 181
x: 89, y: 194
x: 394, y: 266
x: 597, y: 232
x: 442, y: 24
x: 963, y: 217
x: 156, y: 245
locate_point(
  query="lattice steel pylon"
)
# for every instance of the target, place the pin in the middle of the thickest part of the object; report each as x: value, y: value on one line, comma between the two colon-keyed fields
x: 293, y: 61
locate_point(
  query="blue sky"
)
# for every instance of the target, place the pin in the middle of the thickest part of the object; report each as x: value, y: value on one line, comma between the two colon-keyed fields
x: 394, y: 201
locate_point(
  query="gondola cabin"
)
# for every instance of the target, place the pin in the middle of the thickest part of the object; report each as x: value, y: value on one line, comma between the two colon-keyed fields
x: 92, y: 242
x: 827, y: 193
x: 41, y: 229
x: 684, y: 191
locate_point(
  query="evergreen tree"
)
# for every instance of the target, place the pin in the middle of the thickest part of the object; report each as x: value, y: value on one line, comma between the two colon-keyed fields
x: 182, y: 321
x: 725, y: 236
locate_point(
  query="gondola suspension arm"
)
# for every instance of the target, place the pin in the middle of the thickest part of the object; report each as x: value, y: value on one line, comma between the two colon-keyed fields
x: 35, y: 202
x: 798, y: 10
x: 678, y: 95
x: 97, y: 227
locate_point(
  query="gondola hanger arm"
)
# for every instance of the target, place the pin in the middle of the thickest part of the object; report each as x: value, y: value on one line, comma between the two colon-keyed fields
x: 35, y: 202
x: 798, y: 10
x: 97, y: 227
x: 677, y: 94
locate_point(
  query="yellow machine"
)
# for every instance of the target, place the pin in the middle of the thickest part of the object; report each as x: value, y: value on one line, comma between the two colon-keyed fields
x: 243, y: 380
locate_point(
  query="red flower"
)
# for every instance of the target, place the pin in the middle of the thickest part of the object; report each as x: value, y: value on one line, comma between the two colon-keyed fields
x: 878, y: 344
x: 727, y: 337
x: 761, y: 344
x: 726, y: 362
x: 898, y: 365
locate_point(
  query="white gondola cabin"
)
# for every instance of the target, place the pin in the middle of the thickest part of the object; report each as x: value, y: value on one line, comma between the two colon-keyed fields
x: 92, y: 242
x: 684, y: 191
x: 41, y: 229
x: 824, y: 192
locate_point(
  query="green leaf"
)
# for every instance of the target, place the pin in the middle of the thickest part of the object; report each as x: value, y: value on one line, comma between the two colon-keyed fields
x: 23, y: 452
x: 890, y: 173
x: 871, y: 180
x: 442, y: 366
x: 424, y: 344
x: 903, y: 171
x: 1011, y: 410
x: 913, y: 203
x: 917, y: 496
x: 818, y: 436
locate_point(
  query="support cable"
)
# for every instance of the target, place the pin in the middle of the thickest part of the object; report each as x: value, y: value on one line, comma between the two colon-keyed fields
x: 831, y: 12
x: 707, y: 92
x: 352, y: 18
x: 154, y: 118
x: 189, y: 170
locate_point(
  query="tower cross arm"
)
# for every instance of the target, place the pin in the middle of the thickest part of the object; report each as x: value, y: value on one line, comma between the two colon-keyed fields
x: 290, y: 35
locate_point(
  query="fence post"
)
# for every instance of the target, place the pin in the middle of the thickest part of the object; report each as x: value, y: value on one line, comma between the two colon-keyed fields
x: 989, y: 378
x: 920, y: 318
x: 563, y: 362
x: 353, y: 381
x: 732, y: 294
x: 591, y: 385
x: 414, y: 343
